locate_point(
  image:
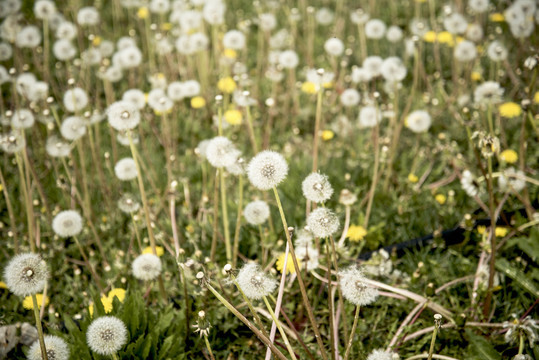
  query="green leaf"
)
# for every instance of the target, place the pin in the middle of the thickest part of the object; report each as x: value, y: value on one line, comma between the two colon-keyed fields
x: 480, y: 348
x: 165, y: 347
x: 518, y: 276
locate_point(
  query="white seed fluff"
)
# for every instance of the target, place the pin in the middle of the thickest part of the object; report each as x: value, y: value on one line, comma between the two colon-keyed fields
x: 267, y: 169
x: 316, y: 187
x: 67, y: 223
x: 256, y: 212
x: 57, y: 349
x: 73, y: 128
x: 354, y: 287
x: 26, y: 274
x: 254, y: 283
x: 322, y: 222
x: 123, y: 115
x: 106, y: 335
x: 75, y: 99
x: 146, y: 267
x: 418, y: 121
x: 380, y: 354
x: 221, y: 152
x: 126, y: 169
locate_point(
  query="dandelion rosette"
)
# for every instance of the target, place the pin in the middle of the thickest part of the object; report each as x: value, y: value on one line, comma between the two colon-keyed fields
x: 26, y: 274
x: 106, y: 335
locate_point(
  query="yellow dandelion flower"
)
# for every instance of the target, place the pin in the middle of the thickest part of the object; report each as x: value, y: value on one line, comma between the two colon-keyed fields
x: 510, y: 109
x: 29, y: 305
x: 230, y: 53
x: 430, y: 36
x: 501, y: 231
x: 327, y: 85
x: 143, y: 12
x: 96, y: 41
x: 308, y: 87
x: 198, y: 102
x: 166, y: 26
x: 413, y: 178
x: 190, y: 229
x: 536, y: 97
x: 445, y: 37
x: 356, y: 233
x: 441, y: 198
x: 118, y: 292
x: 475, y: 76
x: 509, y: 156
x: 327, y: 135
x: 160, y: 113
x: 233, y: 117
x: 497, y: 17
x: 158, y: 249
x: 107, y: 305
x: 104, y: 219
x: 289, y: 264
x: 3, y: 285
x: 227, y: 85
x: 1, y: 187
x: 481, y: 229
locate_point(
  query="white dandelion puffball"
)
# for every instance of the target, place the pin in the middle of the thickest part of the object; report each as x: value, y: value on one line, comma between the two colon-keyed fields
x: 126, y: 169
x: 316, y: 187
x: 26, y: 274
x: 88, y: 16
x: 512, y: 180
x: 288, y: 59
x: 106, y: 335
x: 73, y: 128
x: 256, y: 212
x: 75, y: 99
x: 234, y: 39
x: 465, y: 51
x: 394, y: 34
x: 418, y: 121
x: 254, y: 283
x: 334, y: 46
x: 497, y: 51
x: 375, y: 29
x: 135, y: 97
x: 128, y: 204
x: 350, y: 97
x: 355, y: 289
x: 380, y: 354
x: 468, y: 184
x: 393, y: 69
x: 22, y: 119
x: 44, y: 9
x: 123, y: 115
x: 489, y: 92
x: 455, y: 23
x: 322, y: 222
x: 267, y: 169
x: 146, y: 267
x: 369, y: 116
x: 57, y: 349
x: 56, y: 147
x: 221, y: 152
x: 373, y: 65
x: 67, y: 223
x: 479, y: 6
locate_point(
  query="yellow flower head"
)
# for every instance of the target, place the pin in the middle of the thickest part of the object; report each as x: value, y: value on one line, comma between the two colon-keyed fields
x: 445, y: 37
x: 158, y: 249
x: 308, y: 87
x: 510, y: 110
x: 143, y: 12
x: 29, y: 305
x: 475, y: 76
x: 509, y: 156
x: 96, y: 41
x: 441, y: 198
x: 481, y: 229
x: 230, y: 53
x: 413, y: 178
x: 536, y: 97
x: 233, y: 117
x: 356, y: 233
x: 497, y: 17
x: 430, y: 36
x: 3, y: 285
x: 227, y: 85
x: 289, y: 264
x: 107, y: 305
x: 118, y: 292
x: 327, y: 135
x: 501, y: 231
x: 190, y: 229
x: 166, y: 26
x: 198, y: 102
x: 327, y: 85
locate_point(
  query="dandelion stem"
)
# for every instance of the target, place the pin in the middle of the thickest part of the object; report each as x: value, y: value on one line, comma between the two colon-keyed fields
x: 351, y: 338
x: 208, y: 347
x: 300, y: 278
x: 10, y: 212
x: 244, y: 320
x: 375, y: 134
x: 224, y: 209
x: 278, y: 324
x: 238, y: 222
x: 39, y: 328
x: 330, y: 305
x: 28, y: 203
x: 250, y: 306
x: 433, y: 340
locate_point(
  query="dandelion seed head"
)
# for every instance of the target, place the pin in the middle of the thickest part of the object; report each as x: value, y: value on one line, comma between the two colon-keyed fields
x: 106, y: 335
x: 26, y: 274
x: 267, y: 169
x: 123, y: 115
x: 254, y: 282
x: 221, y: 152
x: 128, y: 204
x: 256, y: 212
x: 316, y: 187
x: 354, y: 287
x: 323, y: 222
x: 380, y: 354
x: 126, y: 169
x: 418, y: 121
x: 67, y: 223
x: 146, y: 267
x: 57, y: 349
x: 75, y: 100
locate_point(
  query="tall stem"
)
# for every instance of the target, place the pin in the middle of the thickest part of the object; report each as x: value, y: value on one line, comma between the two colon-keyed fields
x: 238, y: 223
x: 281, y: 331
x: 28, y: 203
x: 375, y: 133
x: 433, y: 341
x: 39, y: 329
x: 330, y: 305
x: 208, y: 347
x: 300, y: 278
x: 351, y: 338
x: 224, y: 209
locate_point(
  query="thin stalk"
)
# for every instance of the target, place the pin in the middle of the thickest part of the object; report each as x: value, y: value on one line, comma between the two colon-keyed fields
x: 186, y: 298
x: 10, y: 212
x: 281, y: 331
x: 28, y: 204
x: 238, y: 223
x: 224, y: 209
x: 136, y: 233
x: 521, y: 344
x: 250, y: 306
x: 351, y: 338
x: 86, y: 193
x: 375, y: 135
x: 208, y: 347
x: 115, y: 356
x: 215, y: 215
x: 88, y: 264
x: 317, y: 121
x: 330, y: 306
x: 39, y: 328
x: 249, y: 118
x: 432, y: 342
x: 244, y: 320
x: 300, y: 278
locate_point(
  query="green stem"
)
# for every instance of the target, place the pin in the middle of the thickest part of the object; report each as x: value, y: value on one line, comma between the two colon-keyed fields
x: 224, y: 209
x: 281, y: 331
x: 251, y: 308
x: 432, y: 342
x: 330, y: 306
x: 521, y: 344
x: 208, y: 347
x: 39, y: 328
x: 238, y: 223
x: 28, y: 204
x: 375, y: 132
x: 351, y: 338
x: 300, y: 278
